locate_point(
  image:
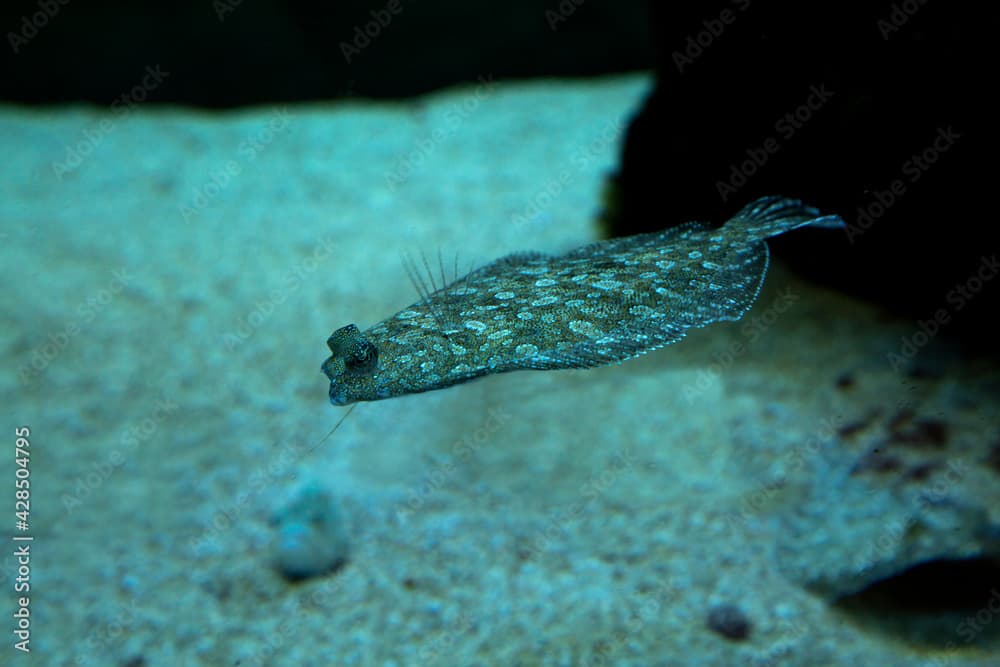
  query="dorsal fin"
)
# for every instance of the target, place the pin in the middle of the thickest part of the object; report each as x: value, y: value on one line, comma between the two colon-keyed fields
x: 426, y: 288
x: 507, y: 262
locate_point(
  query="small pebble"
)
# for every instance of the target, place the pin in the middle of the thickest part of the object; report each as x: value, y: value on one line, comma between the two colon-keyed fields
x: 729, y: 621
x: 311, y: 539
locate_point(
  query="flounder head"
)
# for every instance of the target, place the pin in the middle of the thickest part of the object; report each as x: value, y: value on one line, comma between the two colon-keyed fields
x: 352, y: 366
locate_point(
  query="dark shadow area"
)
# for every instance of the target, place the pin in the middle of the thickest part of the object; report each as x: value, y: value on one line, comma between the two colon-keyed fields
x: 940, y: 604
x: 227, y: 53
x: 880, y: 112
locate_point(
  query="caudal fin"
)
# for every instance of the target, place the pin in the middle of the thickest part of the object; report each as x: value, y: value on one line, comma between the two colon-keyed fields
x: 770, y: 216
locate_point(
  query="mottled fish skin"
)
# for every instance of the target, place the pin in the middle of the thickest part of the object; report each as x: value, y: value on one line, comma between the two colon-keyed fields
x: 605, y: 302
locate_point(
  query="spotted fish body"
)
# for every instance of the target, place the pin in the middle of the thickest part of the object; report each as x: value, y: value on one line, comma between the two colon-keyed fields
x: 605, y: 302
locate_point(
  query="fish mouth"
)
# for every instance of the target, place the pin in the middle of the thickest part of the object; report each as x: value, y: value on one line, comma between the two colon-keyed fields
x: 327, y: 368
x: 338, y: 396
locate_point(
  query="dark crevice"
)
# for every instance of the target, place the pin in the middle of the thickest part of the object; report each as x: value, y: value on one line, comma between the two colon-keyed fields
x: 940, y: 604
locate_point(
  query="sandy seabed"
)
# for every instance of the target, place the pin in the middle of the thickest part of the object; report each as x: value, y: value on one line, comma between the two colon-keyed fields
x: 170, y: 278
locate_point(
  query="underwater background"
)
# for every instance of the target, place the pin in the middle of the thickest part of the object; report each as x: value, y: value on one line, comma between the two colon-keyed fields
x: 192, y: 199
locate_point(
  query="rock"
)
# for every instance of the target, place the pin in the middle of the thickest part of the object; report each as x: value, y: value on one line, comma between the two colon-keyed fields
x: 729, y: 621
x: 311, y: 540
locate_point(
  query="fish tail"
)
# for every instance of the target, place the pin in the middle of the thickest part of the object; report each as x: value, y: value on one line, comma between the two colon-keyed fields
x: 770, y: 216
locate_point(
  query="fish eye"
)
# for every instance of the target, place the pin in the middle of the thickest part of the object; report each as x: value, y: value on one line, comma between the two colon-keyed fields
x: 363, y: 359
x: 352, y: 353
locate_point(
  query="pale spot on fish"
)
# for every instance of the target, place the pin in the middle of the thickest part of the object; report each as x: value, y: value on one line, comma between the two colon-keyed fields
x: 545, y: 301
x: 526, y: 350
x: 504, y: 295
x: 544, y: 282
x: 641, y: 311
x: 694, y: 254
x: 584, y: 328
x: 476, y: 326
x: 525, y: 315
x: 407, y: 315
